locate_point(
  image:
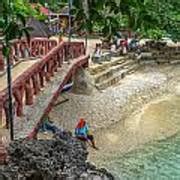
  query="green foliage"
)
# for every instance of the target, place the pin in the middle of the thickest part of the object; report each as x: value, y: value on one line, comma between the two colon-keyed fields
x: 13, y: 23
x: 153, y: 33
x: 151, y: 18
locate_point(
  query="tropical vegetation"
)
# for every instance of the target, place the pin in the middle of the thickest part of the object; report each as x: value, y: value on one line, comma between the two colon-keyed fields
x: 149, y: 18
x: 13, y: 25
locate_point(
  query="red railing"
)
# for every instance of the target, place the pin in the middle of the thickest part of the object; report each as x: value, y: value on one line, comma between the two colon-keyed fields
x: 29, y: 83
x: 37, y: 47
x: 74, y: 50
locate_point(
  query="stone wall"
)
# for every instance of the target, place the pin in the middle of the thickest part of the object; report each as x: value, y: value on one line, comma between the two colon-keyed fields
x: 158, y: 52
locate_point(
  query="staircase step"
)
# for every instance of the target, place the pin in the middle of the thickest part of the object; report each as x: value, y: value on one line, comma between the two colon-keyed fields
x: 133, y: 69
x: 98, y: 68
x: 112, y: 80
x: 175, y: 61
x: 110, y: 71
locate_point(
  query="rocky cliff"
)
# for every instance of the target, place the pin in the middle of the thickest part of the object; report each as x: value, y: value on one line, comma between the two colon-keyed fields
x: 61, y: 158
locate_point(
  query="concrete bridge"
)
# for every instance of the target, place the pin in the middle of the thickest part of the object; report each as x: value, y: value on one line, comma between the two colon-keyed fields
x: 39, y: 72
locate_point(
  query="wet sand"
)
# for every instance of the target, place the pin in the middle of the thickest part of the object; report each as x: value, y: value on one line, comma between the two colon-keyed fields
x: 126, y: 116
x: 156, y: 121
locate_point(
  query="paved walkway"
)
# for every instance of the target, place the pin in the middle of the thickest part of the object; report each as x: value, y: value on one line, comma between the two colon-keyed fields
x: 17, y: 70
x: 33, y: 113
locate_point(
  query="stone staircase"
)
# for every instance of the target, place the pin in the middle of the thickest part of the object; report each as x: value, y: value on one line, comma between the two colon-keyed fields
x: 111, y: 72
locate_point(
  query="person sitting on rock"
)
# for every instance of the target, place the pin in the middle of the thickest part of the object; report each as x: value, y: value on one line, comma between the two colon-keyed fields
x: 82, y: 132
x: 97, y: 54
x: 47, y: 125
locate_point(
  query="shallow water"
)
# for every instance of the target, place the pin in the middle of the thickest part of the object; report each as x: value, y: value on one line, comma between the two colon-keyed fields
x: 144, y: 146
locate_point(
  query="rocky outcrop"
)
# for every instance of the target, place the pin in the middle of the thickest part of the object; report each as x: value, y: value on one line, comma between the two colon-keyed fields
x: 82, y: 82
x: 159, y: 52
x: 61, y: 158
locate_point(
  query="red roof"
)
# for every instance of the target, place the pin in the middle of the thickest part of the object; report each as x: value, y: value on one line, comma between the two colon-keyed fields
x: 42, y: 9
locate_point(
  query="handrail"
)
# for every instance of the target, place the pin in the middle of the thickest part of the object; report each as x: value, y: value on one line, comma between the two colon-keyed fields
x: 37, y: 47
x: 29, y: 83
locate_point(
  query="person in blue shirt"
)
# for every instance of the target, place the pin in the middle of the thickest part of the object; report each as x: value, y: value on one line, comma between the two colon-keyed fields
x: 82, y: 132
x: 47, y: 125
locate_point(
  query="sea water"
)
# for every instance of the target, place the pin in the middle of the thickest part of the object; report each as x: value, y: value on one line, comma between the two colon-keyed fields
x: 146, y: 146
x: 157, y: 161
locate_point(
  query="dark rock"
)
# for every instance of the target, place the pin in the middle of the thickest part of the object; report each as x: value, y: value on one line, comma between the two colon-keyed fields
x: 63, y: 157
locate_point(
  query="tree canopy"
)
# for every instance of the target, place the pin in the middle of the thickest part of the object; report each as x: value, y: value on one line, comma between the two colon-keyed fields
x: 150, y: 18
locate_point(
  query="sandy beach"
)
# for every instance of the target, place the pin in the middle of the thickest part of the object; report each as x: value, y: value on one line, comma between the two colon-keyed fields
x: 117, y: 109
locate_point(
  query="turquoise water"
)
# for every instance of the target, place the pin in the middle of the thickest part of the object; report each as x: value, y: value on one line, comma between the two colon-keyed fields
x: 157, y: 161
x: 146, y: 146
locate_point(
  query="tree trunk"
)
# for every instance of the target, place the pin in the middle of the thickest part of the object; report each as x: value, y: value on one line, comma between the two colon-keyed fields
x: 86, y: 40
x: 69, y: 19
x: 86, y: 12
x: 9, y: 82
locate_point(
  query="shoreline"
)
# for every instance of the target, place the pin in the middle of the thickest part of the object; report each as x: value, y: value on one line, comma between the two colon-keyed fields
x: 118, y: 103
x: 113, y: 104
x: 132, y: 133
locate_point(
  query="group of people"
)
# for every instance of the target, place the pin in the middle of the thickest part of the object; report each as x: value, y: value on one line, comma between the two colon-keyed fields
x: 81, y: 130
x: 119, y: 45
x: 124, y: 44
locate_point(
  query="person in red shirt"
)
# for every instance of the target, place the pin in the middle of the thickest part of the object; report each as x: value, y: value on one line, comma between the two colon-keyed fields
x: 82, y: 132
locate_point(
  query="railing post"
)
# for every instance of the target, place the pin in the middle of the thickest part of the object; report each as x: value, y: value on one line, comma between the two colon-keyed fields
x: 28, y: 93
x: 41, y: 76
x: 35, y: 84
x: 18, y: 95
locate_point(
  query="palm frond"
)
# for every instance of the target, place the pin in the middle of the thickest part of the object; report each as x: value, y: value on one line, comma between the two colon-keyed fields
x: 22, y: 19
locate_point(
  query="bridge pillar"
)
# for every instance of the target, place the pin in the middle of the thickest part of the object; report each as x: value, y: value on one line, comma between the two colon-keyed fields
x: 42, y: 48
x: 60, y: 58
x: 56, y: 62
x: 41, y: 77
x: 28, y: 93
x: 51, y: 66
x: 18, y: 94
x: 47, y: 73
x: 36, y: 85
x: 37, y: 48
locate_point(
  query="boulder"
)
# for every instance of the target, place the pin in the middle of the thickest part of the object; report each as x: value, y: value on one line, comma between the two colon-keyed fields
x: 63, y: 157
